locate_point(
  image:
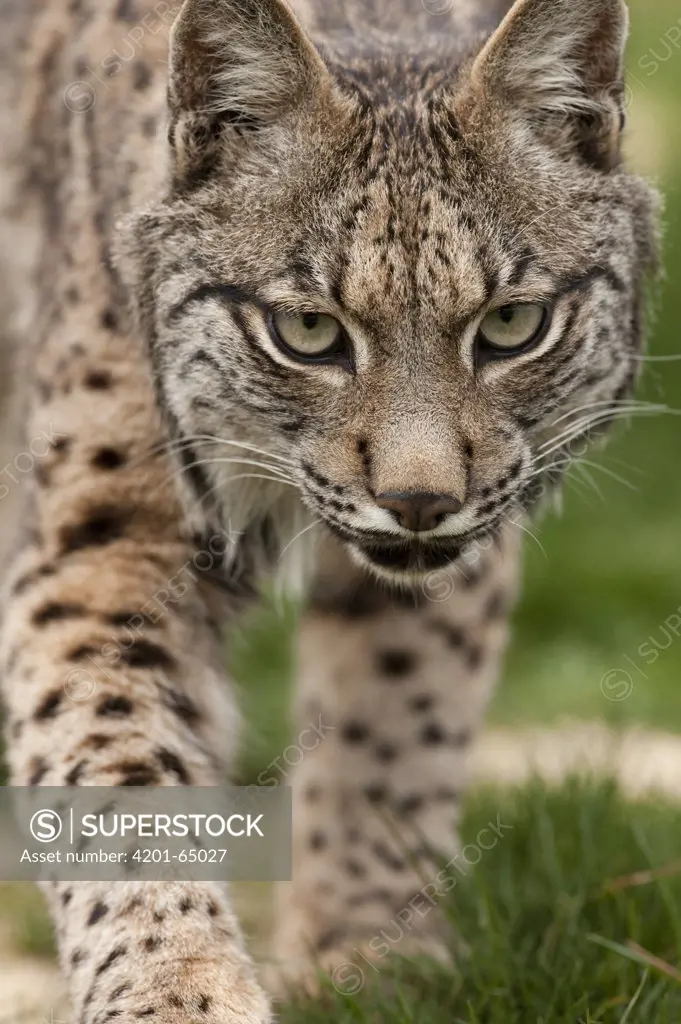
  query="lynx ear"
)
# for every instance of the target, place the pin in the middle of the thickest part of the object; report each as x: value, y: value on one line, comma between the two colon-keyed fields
x: 234, y: 63
x: 559, y: 64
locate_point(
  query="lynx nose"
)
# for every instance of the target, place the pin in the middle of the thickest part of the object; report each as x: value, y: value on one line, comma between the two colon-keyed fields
x: 418, y: 510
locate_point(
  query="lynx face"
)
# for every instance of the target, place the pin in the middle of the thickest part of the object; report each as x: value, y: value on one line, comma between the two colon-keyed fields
x: 400, y: 284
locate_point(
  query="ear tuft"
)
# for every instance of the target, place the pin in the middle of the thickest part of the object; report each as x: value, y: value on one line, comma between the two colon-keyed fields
x: 237, y: 63
x: 559, y: 65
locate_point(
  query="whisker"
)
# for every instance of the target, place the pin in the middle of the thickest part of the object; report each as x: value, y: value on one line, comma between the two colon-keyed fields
x: 299, y: 534
x: 236, y: 460
x: 581, y: 468
x: 531, y: 534
x: 585, y: 424
x: 609, y: 472
x: 176, y: 444
x: 609, y: 403
x: 656, y: 359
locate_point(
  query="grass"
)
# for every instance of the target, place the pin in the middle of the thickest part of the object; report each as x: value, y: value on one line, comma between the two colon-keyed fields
x: 574, y: 915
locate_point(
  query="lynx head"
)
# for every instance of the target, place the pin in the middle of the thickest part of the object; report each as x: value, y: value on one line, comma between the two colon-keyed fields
x: 395, y: 274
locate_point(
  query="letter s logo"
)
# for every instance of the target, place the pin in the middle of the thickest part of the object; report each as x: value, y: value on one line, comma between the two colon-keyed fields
x: 46, y: 826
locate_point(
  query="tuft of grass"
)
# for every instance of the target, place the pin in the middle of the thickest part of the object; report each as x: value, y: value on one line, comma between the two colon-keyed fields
x: 574, y: 915
x: 23, y: 912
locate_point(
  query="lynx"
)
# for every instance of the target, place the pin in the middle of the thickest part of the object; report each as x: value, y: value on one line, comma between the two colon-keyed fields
x: 331, y: 290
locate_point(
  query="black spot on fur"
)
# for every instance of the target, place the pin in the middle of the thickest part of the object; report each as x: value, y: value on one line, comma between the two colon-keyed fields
x: 213, y: 909
x: 135, y: 773
x: 124, y: 618
x: 495, y: 607
x: 108, y: 319
x: 433, y: 734
x: 371, y: 896
x: 422, y: 702
x: 329, y: 939
x: 318, y: 841
x: 144, y: 654
x: 39, y: 769
x: 121, y: 990
x: 81, y: 652
x: 175, y: 1000
x: 74, y: 776
x: 170, y: 762
x: 375, y: 793
x: 115, y: 707
x: 474, y: 657
x: 26, y: 581
x: 98, y: 380
x: 105, y: 525
x: 185, y: 905
x: 181, y: 705
x: 77, y: 957
x: 42, y: 475
x: 151, y: 942
x: 99, y: 911
x: 410, y: 804
x: 107, y: 458
x: 66, y: 897
x: 126, y: 10
x: 204, y: 1003
x: 354, y: 732
x: 148, y: 1011
x: 49, y: 707
x: 386, y: 752
x: 396, y: 663
x: 453, y: 635
x: 141, y: 75
x: 111, y: 959
x: 355, y: 869
x: 387, y: 857
x: 98, y: 741
x: 57, y: 611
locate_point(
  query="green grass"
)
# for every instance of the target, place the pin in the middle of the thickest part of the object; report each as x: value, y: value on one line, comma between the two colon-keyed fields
x: 548, y: 917
x: 574, y: 915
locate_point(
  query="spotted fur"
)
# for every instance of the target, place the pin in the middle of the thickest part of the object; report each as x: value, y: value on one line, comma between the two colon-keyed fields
x: 405, y: 172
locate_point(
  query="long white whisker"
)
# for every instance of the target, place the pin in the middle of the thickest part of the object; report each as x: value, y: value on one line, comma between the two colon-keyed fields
x: 583, y: 425
x: 299, y: 534
x: 534, y: 537
x: 240, y: 462
x: 178, y: 443
x: 656, y: 359
x: 587, y: 476
x: 609, y: 403
x: 609, y: 472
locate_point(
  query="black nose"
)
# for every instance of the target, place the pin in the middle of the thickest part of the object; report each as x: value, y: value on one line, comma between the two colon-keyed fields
x: 418, y: 510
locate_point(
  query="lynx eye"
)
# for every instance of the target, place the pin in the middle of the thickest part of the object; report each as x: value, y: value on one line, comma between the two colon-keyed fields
x: 513, y: 327
x: 308, y: 335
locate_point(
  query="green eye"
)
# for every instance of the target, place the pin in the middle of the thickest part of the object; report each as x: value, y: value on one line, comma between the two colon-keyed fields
x: 515, y: 326
x: 310, y: 335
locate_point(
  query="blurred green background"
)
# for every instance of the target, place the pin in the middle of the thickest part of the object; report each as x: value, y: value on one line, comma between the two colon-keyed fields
x: 611, y: 573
